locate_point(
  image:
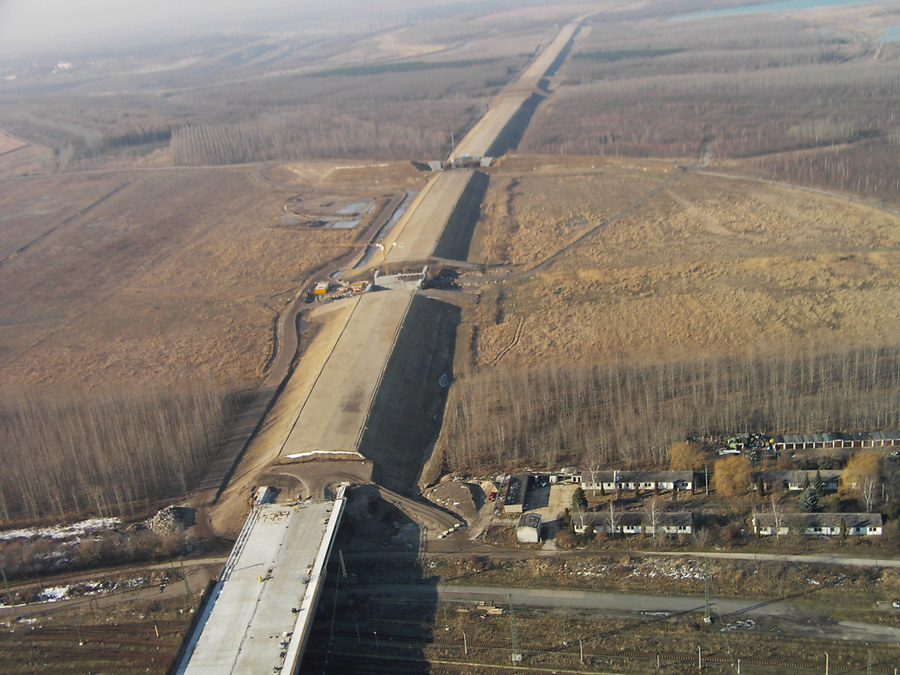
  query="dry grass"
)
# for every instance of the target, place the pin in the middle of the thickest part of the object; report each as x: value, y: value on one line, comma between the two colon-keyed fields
x: 158, y: 275
x: 707, y: 266
x: 705, y: 272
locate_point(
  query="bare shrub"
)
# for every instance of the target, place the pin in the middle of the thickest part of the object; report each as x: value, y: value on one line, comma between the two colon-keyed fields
x: 566, y: 539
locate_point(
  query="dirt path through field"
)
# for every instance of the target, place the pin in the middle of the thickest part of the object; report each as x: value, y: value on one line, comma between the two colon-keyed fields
x: 544, y: 264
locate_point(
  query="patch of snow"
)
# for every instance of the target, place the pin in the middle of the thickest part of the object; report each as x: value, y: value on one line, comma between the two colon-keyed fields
x: 63, y: 531
x: 748, y: 624
x: 53, y: 594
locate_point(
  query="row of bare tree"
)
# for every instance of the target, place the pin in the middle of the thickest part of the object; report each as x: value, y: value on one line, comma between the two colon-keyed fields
x: 626, y: 415
x: 106, y: 454
x: 384, y: 130
x: 827, y: 103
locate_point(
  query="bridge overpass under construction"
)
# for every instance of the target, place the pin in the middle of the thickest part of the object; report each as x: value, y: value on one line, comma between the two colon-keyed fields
x: 257, y: 617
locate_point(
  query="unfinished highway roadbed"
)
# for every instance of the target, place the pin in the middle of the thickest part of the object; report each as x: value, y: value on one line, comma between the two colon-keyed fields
x: 424, y: 223
x: 334, y: 414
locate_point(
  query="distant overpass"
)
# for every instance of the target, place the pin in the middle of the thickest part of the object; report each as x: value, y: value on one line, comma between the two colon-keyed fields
x: 482, y: 138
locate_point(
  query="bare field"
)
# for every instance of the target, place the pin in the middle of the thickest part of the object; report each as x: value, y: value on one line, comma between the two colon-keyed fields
x: 9, y: 143
x: 186, y: 272
x: 704, y: 266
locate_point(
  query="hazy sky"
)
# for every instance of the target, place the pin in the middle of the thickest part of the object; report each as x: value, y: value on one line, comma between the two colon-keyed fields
x: 31, y: 26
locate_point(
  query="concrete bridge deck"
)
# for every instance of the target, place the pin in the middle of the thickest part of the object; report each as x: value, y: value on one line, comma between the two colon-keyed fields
x: 257, y: 617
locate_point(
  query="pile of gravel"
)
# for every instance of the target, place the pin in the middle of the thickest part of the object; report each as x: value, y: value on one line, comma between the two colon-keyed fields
x: 170, y: 519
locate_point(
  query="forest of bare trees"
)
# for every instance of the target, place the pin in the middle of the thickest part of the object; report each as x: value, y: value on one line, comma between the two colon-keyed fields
x: 807, y: 107
x: 105, y: 455
x: 380, y: 130
x: 625, y: 415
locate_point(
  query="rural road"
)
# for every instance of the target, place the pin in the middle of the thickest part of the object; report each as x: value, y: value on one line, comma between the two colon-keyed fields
x: 802, y: 620
x: 199, y: 572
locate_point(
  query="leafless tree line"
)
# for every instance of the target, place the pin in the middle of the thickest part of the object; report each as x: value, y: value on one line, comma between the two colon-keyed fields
x: 384, y: 130
x: 819, y: 114
x: 105, y: 454
x: 76, y: 133
x: 628, y: 415
x: 870, y: 169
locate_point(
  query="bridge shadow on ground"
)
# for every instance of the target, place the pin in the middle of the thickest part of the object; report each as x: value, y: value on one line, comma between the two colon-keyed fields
x: 408, y: 409
x: 358, y: 633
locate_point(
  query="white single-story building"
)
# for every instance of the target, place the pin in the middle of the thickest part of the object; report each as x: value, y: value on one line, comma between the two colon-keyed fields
x: 796, y: 480
x: 820, y: 524
x: 630, y: 480
x: 635, y: 522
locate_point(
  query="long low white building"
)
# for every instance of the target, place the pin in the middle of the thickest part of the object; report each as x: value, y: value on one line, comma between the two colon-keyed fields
x: 819, y: 524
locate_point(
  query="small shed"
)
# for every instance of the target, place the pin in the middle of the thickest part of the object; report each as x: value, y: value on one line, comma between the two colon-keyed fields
x: 528, y: 531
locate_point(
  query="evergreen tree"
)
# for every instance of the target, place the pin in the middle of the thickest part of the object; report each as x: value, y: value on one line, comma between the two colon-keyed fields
x: 579, y: 500
x: 809, y: 500
x: 819, y: 484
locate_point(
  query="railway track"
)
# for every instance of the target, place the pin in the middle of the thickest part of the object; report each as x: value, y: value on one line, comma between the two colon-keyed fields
x: 325, y: 654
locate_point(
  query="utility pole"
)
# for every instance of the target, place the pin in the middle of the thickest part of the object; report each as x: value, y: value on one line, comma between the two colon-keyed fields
x: 187, y: 588
x: 706, y: 616
x: 465, y: 644
x: 706, y: 477
x: 513, y: 635
x: 826, y: 663
x: 9, y: 599
x: 699, y: 659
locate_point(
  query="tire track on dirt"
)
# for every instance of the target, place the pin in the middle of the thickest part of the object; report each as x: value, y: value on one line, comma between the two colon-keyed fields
x: 517, y: 335
x: 541, y: 266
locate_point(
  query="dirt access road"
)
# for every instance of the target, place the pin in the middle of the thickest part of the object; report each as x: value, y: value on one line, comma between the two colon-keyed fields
x: 801, y: 620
